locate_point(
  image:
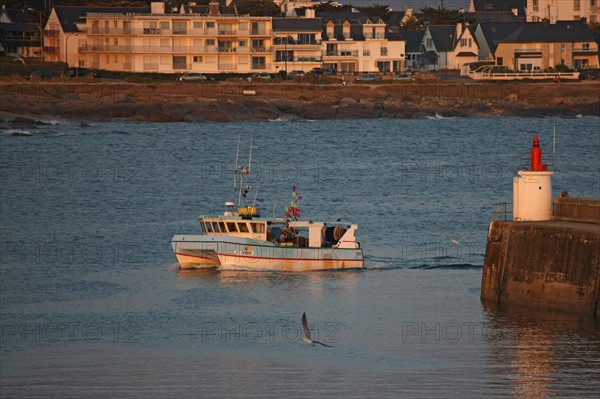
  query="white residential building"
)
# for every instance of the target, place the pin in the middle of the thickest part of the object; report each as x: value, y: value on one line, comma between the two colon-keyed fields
x: 563, y: 10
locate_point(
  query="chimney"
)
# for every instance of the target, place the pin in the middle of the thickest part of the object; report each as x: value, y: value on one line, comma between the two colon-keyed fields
x: 213, y: 8
x: 458, y: 30
x: 309, y: 13
x: 157, y: 7
x: 515, y: 11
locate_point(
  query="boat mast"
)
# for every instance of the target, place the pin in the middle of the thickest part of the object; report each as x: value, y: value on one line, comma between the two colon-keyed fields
x: 242, y: 171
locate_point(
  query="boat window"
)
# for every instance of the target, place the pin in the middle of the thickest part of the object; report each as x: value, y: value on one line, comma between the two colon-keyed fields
x: 258, y: 228
x: 243, y: 227
x: 208, y: 227
x: 232, y: 227
x: 216, y: 227
x: 222, y: 227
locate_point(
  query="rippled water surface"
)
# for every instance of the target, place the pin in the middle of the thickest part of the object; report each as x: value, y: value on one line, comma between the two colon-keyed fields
x: 94, y: 305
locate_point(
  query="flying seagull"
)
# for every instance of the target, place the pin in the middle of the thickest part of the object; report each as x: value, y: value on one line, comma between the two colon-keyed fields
x: 455, y: 241
x: 307, y: 338
x: 19, y: 59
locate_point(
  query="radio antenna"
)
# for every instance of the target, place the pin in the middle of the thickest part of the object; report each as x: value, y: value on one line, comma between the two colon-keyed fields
x: 250, y: 159
x: 235, y: 170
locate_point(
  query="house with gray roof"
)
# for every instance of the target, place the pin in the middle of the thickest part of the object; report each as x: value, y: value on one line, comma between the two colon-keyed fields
x: 21, y: 32
x: 412, y: 41
x: 539, y: 46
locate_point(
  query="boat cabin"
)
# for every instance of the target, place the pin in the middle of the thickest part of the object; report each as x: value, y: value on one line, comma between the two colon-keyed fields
x: 301, y: 234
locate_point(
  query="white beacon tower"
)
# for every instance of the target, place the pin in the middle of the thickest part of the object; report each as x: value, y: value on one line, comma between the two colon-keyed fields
x: 532, y: 189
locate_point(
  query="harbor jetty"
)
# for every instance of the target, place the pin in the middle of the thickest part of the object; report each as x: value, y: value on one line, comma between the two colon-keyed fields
x: 548, y: 255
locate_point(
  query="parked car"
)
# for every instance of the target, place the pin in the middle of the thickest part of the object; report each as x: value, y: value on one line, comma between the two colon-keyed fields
x: 322, y: 71
x: 297, y: 73
x: 260, y: 76
x: 77, y: 71
x: 590, y: 74
x: 403, y: 77
x: 368, y: 77
x: 42, y: 75
x: 191, y: 76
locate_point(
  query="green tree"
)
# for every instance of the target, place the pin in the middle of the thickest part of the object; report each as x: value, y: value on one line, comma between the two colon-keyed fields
x: 412, y: 23
x: 258, y: 8
x: 376, y: 10
x: 442, y: 16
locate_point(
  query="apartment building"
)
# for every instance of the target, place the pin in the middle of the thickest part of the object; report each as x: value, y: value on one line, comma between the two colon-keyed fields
x: 359, y: 43
x: 214, y: 38
x: 207, y: 40
x: 563, y: 10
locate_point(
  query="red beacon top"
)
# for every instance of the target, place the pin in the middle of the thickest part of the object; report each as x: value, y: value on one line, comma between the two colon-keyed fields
x: 536, y: 156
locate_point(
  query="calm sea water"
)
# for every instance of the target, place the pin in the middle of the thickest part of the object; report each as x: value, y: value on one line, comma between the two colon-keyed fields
x: 94, y: 305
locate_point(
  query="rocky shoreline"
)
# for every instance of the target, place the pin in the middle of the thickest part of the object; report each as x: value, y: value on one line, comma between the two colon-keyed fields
x: 23, y: 104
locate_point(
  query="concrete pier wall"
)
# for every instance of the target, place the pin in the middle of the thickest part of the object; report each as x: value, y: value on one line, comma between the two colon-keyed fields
x: 554, y: 264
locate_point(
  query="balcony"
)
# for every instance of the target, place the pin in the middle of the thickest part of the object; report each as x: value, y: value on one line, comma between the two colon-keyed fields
x: 51, y: 50
x: 585, y: 50
x: 370, y: 36
x: 182, y: 66
x: 342, y: 53
x: 528, y: 50
x: 227, y: 67
x: 260, y: 32
x: 301, y: 59
x: 281, y: 41
x: 51, y: 32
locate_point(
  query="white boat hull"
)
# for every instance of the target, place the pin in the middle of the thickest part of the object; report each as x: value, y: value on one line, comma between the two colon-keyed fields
x: 199, y: 251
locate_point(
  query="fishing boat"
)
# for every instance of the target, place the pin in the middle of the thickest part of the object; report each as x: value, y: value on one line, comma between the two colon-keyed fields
x: 241, y: 239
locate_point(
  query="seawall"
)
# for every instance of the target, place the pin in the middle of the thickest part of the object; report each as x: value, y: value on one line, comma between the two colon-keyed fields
x: 553, y: 264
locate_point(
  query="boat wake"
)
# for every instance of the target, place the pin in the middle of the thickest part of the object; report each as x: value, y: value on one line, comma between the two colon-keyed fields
x: 438, y: 117
x: 291, y: 118
x: 450, y: 266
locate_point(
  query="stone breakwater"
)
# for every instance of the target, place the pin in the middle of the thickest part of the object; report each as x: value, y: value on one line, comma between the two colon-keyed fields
x: 554, y: 264
x: 244, y: 101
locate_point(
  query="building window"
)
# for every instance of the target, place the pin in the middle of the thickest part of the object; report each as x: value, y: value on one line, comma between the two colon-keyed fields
x: 115, y: 24
x: 384, y: 51
x: 197, y: 58
x: 585, y: 46
x: 242, y: 43
x: 536, y: 6
x: 179, y: 28
x: 593, y: 19
x: 259, y: 63
x: 562, y: 47
x: 197, y: 25
x: 164, y: 24
x: 366, y: 53
x: 499, y: 61
x: 429, y: 43
x: 210, y: 42
x: 179, y: 62
x: 576, y: 5
x: 116, y: 59
x: 210, y: 25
